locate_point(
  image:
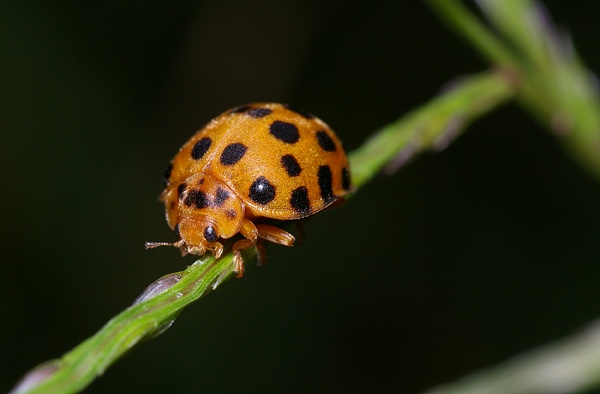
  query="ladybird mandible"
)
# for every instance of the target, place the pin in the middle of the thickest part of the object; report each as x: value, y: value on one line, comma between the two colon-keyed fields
x: 250, y: 164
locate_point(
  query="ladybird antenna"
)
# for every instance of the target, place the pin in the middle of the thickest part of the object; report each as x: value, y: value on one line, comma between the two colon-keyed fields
x: 152, y: 245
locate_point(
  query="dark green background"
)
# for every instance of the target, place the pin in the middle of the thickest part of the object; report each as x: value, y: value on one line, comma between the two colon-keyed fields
x: 459, y: 261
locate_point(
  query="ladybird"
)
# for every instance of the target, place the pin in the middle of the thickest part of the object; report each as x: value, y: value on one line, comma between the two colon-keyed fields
x: 252, y: 164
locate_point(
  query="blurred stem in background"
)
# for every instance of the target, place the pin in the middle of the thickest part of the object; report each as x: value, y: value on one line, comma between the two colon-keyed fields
x: 568, y: 366
x: 555, y: 86
x: 559, y: 91
x: 532, y: 62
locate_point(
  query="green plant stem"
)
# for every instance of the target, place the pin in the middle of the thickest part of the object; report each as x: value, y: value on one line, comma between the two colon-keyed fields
x: 433, y: 125
x: 78, y: 368
x: 555, y: 86
x: 459, y: 18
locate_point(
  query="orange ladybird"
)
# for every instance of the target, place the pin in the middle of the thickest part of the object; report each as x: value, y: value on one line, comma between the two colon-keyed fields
x: 252, y: 163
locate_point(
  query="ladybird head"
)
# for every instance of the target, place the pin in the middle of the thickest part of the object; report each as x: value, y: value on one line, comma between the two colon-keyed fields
x: 201, y: 210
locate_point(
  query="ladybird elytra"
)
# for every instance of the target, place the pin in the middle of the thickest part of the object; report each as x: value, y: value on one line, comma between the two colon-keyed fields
x: 250, y: 164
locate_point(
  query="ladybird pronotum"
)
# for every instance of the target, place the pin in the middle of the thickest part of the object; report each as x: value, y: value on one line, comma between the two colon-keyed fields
x: 252, y: 163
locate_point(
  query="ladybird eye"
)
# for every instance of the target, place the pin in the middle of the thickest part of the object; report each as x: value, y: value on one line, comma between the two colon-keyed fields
x: 210, y: 234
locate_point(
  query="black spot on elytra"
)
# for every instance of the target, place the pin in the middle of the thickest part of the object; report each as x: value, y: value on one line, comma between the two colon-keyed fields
x: 300, y: 111
x: 291, y: 165
x: 210, y: 234
x: 325, y: 141
x: 325, y: 179
x: 240, y: 109
x: 167, y: 174
x: 259, y: 112
x: 345, y: 179
x: 233, y: 153
x: 221, y: 196
x: 284, y: 131
x: 197, y: 198
x: 262, y: 191
x: 200, y: 148
x: 172, y: 205
x: 299, y: 200
x: 181, y: 189
x: 230, y: 213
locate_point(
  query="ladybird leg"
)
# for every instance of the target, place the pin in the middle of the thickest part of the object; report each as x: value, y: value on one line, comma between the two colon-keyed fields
x: 217, y: 249
x: 237, y: 255
x: 261, y: 253
x: 248, y: 230
x: 275, y: 235
x: 272, y: 234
